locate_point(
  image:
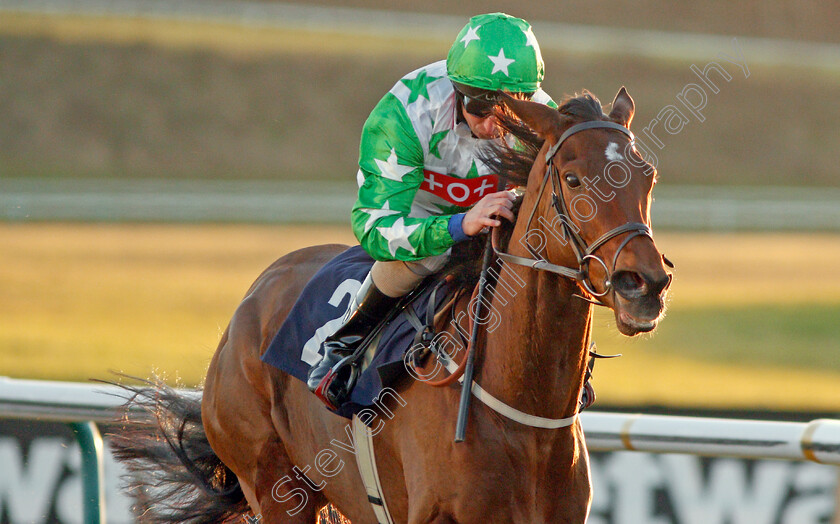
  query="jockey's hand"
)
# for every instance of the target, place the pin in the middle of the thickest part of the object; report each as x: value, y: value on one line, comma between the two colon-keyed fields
x: 487, y: 211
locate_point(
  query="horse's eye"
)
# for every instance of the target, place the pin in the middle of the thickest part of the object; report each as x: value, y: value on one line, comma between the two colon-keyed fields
x: 572, y: 179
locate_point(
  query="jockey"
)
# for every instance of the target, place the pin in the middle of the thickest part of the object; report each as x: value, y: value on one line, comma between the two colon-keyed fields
x: 422, y: 185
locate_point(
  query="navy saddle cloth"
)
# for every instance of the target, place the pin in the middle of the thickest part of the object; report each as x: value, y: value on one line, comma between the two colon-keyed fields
x: 320, y: 310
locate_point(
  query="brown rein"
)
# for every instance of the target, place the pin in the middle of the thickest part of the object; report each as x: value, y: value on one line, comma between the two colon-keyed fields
x: 459, y: 372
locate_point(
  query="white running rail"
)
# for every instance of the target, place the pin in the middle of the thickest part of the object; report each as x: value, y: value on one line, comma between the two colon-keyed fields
x: 817, y: 440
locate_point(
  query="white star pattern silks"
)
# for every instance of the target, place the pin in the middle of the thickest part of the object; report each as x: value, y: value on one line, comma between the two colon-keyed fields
x: 376, y: 214
x: 397, y: 236
x: 392, y: 169
x: 530, y: 39
x: 407, y: 128
x: 472, y: 34
x: 500, y: 63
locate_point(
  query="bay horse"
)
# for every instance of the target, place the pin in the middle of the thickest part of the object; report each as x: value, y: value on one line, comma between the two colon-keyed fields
x: 585, y: 239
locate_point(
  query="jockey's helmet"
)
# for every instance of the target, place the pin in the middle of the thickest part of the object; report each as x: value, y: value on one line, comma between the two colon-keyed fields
x: 495, y: 52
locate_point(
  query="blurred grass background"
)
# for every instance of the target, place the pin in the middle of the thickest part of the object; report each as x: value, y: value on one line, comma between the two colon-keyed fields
x: 753, y: 319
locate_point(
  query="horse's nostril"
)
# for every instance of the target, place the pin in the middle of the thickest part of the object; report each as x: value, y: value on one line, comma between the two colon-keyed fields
x: 658, y: 286
x: 629, y: 284
x: 669, y: 280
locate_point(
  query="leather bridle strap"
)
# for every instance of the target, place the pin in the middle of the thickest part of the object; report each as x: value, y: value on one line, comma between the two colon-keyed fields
x: 626, y: 228
x: 592, y: 124
x: 539, y: 264
x: 534, y: 263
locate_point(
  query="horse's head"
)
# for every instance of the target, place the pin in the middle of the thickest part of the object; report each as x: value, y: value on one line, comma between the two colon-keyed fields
x: 588, y: 207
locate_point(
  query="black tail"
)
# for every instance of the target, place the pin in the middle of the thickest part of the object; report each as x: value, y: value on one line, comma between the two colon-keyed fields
x: 174, y: 475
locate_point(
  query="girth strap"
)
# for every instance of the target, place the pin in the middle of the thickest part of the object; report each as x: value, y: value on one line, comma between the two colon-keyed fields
x: 366, y: 461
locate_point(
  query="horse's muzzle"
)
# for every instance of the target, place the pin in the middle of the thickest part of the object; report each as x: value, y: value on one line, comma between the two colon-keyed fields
x: 632, y: 285
x: 639, y: 299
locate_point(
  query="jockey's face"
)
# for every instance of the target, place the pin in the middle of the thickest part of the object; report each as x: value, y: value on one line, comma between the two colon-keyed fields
x: 483, y: 127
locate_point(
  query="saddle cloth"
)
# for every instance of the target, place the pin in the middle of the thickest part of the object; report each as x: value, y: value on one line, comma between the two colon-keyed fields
x: 320, y: 310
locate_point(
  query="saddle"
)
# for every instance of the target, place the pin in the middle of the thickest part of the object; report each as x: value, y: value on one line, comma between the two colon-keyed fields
x: 320, y: 309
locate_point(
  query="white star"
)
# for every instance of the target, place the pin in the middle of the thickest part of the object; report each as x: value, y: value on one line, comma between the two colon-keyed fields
x: 530, y: 39
x: 392, y: 169
x: 397, y: 236
x: 612, y: 153
x: 472, y: 34
x: 501, y: 62
x: 376, y: 214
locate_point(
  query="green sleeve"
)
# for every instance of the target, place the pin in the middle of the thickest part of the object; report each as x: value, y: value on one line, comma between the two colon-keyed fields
x: 391, y: 164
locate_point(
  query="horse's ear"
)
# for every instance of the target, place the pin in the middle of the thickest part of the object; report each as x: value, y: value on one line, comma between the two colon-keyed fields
x: 539, y: 117
x: 622, y: 108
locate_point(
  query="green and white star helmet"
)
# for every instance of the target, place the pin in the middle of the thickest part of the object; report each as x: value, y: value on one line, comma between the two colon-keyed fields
x: 494, y: 52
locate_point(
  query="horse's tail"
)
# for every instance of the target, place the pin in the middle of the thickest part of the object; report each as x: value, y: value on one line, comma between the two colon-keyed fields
x: 173, y: 474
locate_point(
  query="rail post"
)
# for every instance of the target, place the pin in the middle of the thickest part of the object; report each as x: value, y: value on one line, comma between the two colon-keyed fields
x: 93, y: 471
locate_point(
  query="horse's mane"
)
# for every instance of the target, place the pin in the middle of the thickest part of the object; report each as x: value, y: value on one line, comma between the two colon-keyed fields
x: 584, y: 107
x: 513, y: 164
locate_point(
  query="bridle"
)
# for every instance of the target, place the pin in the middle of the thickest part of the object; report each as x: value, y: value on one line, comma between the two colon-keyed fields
x: 583, y: 253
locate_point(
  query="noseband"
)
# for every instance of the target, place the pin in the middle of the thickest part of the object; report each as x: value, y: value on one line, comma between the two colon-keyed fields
x: 583, y: 253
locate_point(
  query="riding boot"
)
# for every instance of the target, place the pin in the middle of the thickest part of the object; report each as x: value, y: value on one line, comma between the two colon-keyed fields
x: 373, y: 307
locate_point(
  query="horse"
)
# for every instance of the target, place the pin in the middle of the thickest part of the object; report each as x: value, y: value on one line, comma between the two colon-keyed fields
x: 260, y: 440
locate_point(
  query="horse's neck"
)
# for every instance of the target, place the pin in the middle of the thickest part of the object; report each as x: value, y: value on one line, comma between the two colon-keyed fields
x: 536, y: 342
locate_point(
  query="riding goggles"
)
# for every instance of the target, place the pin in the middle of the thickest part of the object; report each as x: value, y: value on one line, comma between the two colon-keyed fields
x: 482, y: 105
x: 478, y: 107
